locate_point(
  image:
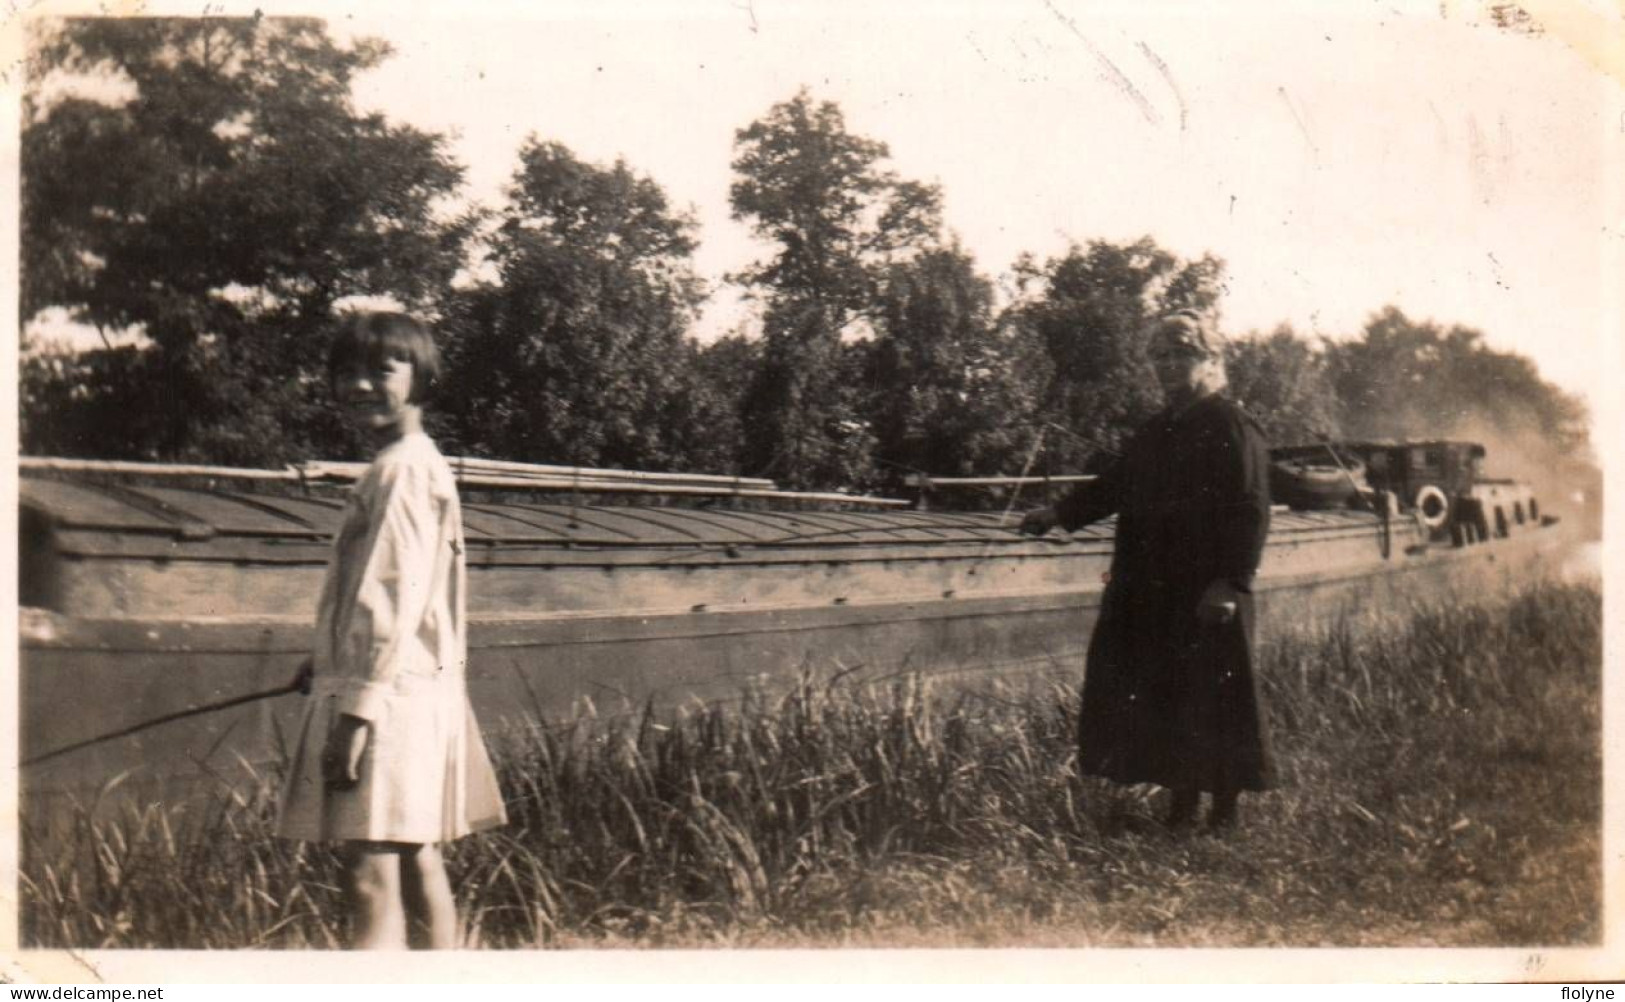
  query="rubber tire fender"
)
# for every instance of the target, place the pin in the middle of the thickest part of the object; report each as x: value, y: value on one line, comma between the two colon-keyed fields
x: 1431, y: 494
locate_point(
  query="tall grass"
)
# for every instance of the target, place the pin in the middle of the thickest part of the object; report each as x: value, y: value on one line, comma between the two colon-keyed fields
x: 1442, y: 784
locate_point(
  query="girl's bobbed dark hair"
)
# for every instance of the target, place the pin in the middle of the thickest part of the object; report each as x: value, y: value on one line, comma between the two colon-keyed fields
x: 371, y: 338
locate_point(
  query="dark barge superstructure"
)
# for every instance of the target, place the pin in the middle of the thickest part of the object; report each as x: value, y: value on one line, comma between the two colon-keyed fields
x: 147, y: 590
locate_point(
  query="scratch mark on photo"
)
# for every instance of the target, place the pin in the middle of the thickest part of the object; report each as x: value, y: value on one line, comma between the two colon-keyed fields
x: 1444, y: 130
x: 1480, y: 160
x: 1114, y: 75
x: 1167, y: 75
x: 1286, y: 99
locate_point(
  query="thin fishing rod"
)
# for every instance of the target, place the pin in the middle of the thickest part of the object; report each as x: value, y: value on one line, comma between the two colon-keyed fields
x: 1004, y: 517
x: 300, y: 683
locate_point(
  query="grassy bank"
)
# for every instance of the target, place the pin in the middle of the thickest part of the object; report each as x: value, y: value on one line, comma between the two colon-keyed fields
x: 1441, y: 785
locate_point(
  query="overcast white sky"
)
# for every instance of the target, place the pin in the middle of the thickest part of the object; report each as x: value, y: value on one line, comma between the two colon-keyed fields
x: 1339, y: 156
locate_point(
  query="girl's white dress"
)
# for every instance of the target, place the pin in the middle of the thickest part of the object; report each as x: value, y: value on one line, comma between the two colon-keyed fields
x: 391, y: 648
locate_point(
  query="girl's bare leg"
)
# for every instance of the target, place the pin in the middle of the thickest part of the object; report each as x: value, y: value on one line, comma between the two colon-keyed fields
x: 373, y: 885
x: 430, y: 905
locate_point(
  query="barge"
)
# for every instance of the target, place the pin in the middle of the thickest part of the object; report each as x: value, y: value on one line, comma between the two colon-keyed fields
x: 148, y: 593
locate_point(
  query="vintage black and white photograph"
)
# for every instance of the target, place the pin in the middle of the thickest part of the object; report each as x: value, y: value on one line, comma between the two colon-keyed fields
x: 763, y: 478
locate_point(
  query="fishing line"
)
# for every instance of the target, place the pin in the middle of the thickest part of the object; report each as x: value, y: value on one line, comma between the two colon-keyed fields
x: 1032, y: 455
x: 1004, y: 517
x: 1074, y: 436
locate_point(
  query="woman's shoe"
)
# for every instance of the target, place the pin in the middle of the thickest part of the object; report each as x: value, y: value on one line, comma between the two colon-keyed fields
x: 1221, y: 817
x: 1182, y: 809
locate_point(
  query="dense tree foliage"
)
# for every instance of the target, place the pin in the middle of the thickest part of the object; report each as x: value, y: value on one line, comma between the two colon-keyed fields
x: 576, y: 353
x: 219, y: 204
x: 1402, y: 377
x: 947, y: 389
x: 104, y: 401
x: 1088, y: 310
x: 710, y: 433
x: 1283, y: 380
x: 205, y: 190
x: 838, y: 219
x: 802, y: 413
x: 824, y: 197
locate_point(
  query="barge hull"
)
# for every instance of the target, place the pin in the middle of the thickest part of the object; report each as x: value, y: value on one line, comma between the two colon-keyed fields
x: 116, y: 672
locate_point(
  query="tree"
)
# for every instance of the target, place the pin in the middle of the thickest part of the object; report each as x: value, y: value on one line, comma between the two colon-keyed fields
x: 838, y: 219
x: 1402, y: 379
x: 108, y: 396
x: 802, y: 413
x: 1408, y: 380
x: 706, y: 427
x: 1283, y: 381
x: 946, y: 393
x: 221, y: 207
x: 820, y: 193
x: 1087, y: 311
x: 577, y: 354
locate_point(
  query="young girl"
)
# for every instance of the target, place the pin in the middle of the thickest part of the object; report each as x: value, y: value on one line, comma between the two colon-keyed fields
x: 389, y: 760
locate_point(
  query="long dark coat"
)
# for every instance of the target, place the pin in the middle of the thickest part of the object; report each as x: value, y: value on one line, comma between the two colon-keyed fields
x: 1166, y: 698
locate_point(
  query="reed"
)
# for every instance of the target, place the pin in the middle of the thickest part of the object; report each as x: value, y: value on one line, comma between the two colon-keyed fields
x: 1442, y: 786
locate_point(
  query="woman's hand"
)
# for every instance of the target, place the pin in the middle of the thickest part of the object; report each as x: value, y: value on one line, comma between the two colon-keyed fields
x: 1218, y: 603
x: 341, y: 756
x: 1038, y: 521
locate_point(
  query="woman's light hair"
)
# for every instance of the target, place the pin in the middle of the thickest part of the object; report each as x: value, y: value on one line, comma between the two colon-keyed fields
x: 1194, y: 332
x: 1189, y: 329
x: 1211, y: 373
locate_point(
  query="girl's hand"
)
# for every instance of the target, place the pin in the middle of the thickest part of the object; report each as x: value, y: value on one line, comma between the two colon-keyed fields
x: 341, y: 756
x: 302, y: 678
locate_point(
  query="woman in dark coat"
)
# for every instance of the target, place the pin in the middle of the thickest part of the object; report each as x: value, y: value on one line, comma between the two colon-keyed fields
x: 1170, y: 696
